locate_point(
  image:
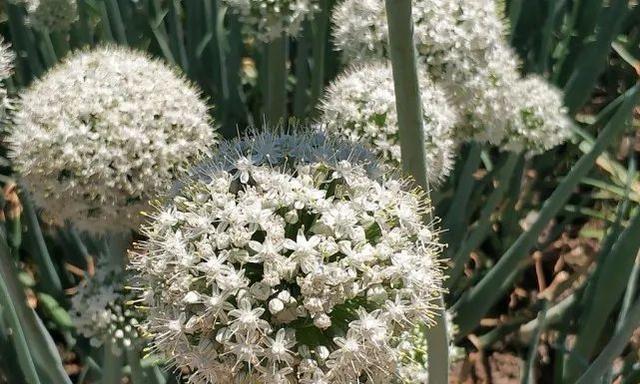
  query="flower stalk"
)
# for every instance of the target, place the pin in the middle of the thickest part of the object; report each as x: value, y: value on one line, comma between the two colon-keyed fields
x: 476, y: 302
x: 276, y: 92
x: 407, y: 92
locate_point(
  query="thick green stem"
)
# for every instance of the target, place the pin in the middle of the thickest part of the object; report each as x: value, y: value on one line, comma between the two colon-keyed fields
x: 321, y: 24
x: 40, y: 350
x: 23, y: 38
x: 410, y: 124
x: 405, y: 78
x: 111, y: 364
x: 276, y: 92
x: 115, y: 16
x: 301, y: 94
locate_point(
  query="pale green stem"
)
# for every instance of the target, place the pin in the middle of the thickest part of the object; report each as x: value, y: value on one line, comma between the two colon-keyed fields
x: 405, y: 78
x: 111, y: 364
x: 276, y: 92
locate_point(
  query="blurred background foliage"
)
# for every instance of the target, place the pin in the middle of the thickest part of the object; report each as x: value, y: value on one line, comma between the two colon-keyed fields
x: 542, y: 251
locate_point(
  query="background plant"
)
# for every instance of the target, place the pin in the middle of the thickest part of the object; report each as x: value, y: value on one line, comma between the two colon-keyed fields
x: 513, y: 222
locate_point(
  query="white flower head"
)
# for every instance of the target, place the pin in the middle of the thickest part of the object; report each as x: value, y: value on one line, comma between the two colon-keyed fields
x: 51, y: 15
x: 105, y: 131
x: 323, y: 298
x: 270, y: 19
x: 360, y: 105
x: 462, y: 46
x: 100, y: 312
x: 541, y: 121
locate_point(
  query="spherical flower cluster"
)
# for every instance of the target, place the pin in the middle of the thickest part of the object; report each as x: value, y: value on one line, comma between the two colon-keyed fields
x: 7, y: 58
x: 541, y: 120
x: 51, y: 15
x: 99, y: 312
x: 482, y: 96
x: 463, y: 47
x: 289, y: 258
x: 360, y: 105
x: 271, y: 19
x: 105, y: 131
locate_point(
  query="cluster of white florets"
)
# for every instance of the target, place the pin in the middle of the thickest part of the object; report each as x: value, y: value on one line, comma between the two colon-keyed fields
x: 7, y: 58
x: 99, y: 312
x: 272, y: 19
x: 51, y: 15
x: 360, y: 105
x: 541, y: 120
x: 289, y: 258
x: 463, y: 46
x: 104, y: 132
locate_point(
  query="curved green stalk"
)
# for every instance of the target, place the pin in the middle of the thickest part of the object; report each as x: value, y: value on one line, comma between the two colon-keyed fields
x: 407, y: 90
